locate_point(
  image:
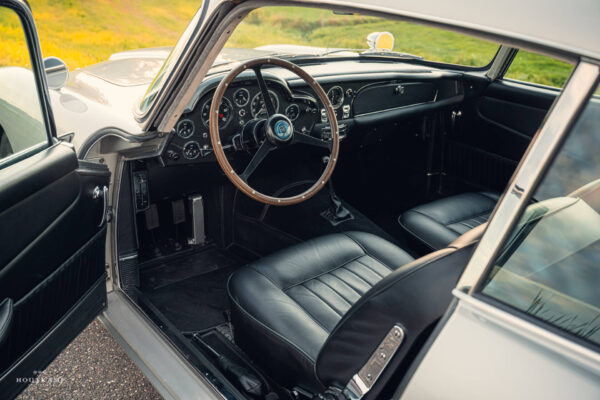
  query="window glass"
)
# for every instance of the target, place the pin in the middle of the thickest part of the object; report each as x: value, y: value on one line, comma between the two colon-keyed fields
x: 21, y: 121
x: 550, y: 266
x: 324, y: 30
x: 542, y: 70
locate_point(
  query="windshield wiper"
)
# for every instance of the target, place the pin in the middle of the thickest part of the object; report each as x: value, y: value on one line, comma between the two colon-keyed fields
x: 362, y: 53
x: 391, y: 54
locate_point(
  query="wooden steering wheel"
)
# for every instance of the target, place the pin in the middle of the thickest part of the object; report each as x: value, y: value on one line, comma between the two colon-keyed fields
x: 271, y: 133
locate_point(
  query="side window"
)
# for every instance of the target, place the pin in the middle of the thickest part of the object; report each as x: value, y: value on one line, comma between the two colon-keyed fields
x: 550, y: 266
x: 538, y: 69
x: 21, y: 121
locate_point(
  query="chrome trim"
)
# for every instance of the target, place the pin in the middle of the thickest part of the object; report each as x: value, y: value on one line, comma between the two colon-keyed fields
x: 368, y: 375
x: 343, y: 96
x: 396, y: 108
x: 168, y: 371
x: 501, y: 62
x: 576, y: 353
x: 546, y: 142
x: 102, y: 194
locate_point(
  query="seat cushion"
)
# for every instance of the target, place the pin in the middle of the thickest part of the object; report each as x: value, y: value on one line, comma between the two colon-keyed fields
x: 439, y: 223
x: 285, y: 305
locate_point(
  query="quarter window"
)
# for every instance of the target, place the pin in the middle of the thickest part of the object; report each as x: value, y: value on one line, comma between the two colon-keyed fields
x: 538, y: 69
x: 550, y: 266
x: 21, y: 122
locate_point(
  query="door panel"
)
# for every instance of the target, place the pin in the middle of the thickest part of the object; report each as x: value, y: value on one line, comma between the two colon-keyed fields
x: 487, y: 140
x: 52, y: 227
x: 52, y: 251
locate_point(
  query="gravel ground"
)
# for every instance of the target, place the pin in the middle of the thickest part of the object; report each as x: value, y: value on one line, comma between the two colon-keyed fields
x: 93, y: 366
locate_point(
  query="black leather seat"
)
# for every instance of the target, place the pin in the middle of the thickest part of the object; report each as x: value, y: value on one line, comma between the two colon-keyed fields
x: 439, y: 223
x: 312, y: 314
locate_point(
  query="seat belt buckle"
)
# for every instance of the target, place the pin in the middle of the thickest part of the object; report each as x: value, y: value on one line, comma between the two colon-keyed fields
x: 366, y: 377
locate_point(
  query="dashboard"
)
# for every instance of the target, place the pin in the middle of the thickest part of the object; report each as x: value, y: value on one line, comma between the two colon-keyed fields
x: 358, y: 100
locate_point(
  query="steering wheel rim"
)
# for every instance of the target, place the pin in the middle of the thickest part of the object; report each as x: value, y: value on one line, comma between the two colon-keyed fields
x: 270, y: 142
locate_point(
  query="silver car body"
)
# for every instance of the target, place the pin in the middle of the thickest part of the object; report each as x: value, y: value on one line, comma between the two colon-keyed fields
x: 477, y: 351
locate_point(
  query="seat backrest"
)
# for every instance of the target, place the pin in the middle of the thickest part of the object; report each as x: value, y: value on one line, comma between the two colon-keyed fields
x: 415, y: 296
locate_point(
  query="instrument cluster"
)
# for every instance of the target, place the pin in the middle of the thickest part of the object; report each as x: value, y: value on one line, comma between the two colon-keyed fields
x: 241, y: 103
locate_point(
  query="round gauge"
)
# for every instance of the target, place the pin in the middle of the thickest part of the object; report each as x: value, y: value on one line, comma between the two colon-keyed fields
x: 336, y: 96
x: 241, y: 97
x: 257, y: 107
x: 185, y: 128
x: 292, y: 112
x: 191, y: 150
x: 224, y: 112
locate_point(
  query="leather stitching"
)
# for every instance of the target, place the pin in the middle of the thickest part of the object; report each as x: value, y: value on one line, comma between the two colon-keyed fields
x: 347, y: 234
x: 357, y: 290
x: 322, y: 299
x: 349, y: 302
x: 323, y: 273
x: 347, y: 285
x: 371, y: 269
x: 358, y: 276
x: 270, y: 330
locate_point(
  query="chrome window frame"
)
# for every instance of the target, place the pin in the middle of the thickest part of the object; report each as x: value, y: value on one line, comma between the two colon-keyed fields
x: 23, y: 12
x: 547, y: 142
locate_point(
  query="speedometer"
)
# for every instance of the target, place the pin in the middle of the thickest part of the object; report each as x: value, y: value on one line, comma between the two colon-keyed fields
x: 224, y: 114
x: 257, y: 107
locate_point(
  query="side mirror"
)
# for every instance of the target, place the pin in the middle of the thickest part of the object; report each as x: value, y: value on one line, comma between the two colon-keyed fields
x: 57, y: 72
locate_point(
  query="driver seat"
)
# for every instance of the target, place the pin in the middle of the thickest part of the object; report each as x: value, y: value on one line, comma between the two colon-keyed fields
x: 311, y: 315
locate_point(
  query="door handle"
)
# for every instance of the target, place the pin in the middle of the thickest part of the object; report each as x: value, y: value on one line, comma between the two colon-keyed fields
x: 102, y: 193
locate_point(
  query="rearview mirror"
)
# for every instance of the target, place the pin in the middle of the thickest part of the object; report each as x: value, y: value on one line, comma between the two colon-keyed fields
x: 57, y: 72
x: 380, y: 41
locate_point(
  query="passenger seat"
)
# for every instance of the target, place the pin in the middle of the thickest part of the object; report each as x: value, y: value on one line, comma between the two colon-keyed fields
x: 439, y: 223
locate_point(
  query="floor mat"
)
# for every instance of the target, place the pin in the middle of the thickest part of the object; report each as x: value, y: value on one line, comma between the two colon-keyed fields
x: 195, y: 302
x: 186, y: 266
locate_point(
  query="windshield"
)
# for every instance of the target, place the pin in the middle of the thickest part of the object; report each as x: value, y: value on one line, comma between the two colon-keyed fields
x: 302, y: 32
x: 298, y: 31
x: 168, y: 65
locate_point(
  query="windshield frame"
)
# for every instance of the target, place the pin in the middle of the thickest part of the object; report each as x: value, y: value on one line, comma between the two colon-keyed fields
x: 160, y: 82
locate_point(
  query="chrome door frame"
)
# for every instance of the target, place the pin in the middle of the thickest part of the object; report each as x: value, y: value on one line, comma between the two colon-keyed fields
x: 546, y: 143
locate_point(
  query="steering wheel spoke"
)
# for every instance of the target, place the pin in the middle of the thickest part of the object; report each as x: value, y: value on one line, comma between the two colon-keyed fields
x: 304, y: 138
x: 264, y: 91
x: 264, y: 149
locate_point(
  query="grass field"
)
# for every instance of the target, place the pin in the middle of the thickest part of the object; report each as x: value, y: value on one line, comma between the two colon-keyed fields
x: 88, y: 31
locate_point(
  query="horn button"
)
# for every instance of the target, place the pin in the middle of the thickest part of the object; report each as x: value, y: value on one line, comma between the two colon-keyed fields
x: 279, y: 129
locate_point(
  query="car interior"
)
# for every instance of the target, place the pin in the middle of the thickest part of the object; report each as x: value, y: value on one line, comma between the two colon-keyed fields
x: 292, y: 301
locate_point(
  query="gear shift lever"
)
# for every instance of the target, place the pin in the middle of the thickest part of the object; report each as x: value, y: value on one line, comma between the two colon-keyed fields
x: 336, y: 213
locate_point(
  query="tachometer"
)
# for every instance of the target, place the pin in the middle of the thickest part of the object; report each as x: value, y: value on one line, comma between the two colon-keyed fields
x: 336, y: 96
x: 241, y: 97
x: 185, y: 128
x: 224, y: 112
x: 292, y: 112
x: 257, y: 107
